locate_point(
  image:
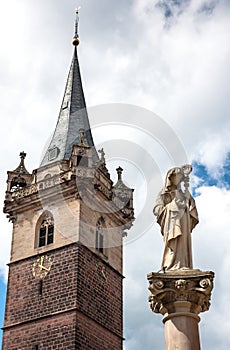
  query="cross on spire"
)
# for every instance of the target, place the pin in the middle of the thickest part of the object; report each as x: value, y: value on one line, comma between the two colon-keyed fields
x: 76, y: 40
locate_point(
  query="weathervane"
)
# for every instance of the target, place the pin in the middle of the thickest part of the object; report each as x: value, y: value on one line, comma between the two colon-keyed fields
x: 76, y: 40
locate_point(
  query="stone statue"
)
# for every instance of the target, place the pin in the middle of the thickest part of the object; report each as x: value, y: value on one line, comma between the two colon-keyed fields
x: 177, y: 215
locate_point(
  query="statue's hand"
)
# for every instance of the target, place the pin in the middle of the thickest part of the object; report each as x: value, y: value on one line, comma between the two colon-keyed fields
x: 180, y: 203
x: 187, y: 195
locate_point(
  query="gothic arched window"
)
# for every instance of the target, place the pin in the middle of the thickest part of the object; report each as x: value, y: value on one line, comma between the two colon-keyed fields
x: 46, y: 231
x: 100, y: 242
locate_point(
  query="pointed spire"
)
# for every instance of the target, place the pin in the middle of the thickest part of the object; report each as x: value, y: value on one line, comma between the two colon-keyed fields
x: 18, y: 178
x: 73, y: 116
x: 123, y: 195
x: 21, y: 169
x: 120, y: 183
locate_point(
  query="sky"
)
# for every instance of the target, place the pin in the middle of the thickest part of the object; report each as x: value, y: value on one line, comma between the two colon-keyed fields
x: 156, y: 81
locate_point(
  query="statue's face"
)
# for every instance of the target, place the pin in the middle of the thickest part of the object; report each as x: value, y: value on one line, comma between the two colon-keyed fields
x: 176, y: 179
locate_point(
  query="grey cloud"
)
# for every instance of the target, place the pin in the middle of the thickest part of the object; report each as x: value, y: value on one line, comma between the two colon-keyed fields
x: 181, y: 74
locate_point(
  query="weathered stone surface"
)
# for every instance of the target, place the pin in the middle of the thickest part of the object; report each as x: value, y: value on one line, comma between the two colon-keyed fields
x: 80, y: 304
x: 176, y: 213
x: 193, y: 286
x: 180, y: 296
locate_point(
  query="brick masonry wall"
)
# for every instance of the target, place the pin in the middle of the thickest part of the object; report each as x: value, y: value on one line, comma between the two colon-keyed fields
x: 55, y: 333
x: 82, y: 297
x: 24, y: 302
x: 99, y: 290
x: 92, y: 336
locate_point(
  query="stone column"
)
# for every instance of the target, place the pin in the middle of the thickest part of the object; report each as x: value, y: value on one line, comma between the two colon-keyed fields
x: 180, y: 296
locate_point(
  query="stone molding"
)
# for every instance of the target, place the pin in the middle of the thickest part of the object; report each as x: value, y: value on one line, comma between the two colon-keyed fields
x: 180, y: 292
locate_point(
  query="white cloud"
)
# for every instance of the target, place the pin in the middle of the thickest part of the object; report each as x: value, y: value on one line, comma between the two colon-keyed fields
x: 213, y: 152
x: 127, y: 54
x: 213, y: 205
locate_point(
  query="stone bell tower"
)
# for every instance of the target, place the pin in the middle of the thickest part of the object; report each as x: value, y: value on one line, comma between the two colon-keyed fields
x: 178, y: 291
x: 65, y: 271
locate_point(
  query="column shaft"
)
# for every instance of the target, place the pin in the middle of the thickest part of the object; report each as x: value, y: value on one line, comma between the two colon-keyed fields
x: 182, y: 333
x: 180, y: 296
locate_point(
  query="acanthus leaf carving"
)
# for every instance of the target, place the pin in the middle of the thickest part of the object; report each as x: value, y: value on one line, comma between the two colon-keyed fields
x: 166, y: 289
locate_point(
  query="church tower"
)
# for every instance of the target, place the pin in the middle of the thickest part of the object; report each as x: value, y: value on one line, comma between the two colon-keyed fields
x: 65, y: 271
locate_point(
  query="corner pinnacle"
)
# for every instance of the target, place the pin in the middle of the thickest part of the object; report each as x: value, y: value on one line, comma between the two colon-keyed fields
x: 119, y: 173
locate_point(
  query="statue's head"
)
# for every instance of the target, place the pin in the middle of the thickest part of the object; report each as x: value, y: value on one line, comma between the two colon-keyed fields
x: 174, y: 178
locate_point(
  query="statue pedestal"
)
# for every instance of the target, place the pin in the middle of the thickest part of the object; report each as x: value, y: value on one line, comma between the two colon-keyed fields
x: 180, y: 295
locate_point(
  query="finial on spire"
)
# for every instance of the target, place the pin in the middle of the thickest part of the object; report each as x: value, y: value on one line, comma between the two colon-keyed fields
x: 76, y: 40
x: 21, y: 168
x: 119, y: 173
x: 22, y: 155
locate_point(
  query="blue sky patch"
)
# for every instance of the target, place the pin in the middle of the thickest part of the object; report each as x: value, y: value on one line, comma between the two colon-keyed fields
x: 222, y: 180
x: 172, y: 7
x: 208, y: 7
x: 2, y: 306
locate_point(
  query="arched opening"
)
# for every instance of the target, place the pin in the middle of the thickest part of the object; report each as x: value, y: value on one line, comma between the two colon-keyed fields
x: 17, y: 183
x: 45, y: 230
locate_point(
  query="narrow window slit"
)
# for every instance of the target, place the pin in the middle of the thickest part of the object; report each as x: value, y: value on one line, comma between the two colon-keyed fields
x: 40, y: 289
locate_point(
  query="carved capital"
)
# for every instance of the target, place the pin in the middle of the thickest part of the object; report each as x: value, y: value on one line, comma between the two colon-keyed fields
x: 180, y: 291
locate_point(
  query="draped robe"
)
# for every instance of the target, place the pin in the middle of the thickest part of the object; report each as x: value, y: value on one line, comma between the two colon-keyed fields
x: 177, y: 216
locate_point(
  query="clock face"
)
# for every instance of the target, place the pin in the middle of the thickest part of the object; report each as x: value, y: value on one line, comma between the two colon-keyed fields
x: 41, y: 266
